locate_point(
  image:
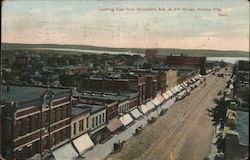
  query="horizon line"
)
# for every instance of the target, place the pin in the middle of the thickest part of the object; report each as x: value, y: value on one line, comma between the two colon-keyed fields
x: 121, y: 47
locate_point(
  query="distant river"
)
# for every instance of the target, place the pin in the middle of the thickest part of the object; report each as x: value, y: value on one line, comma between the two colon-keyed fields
x: 89, y: 51
x: 228, y: 59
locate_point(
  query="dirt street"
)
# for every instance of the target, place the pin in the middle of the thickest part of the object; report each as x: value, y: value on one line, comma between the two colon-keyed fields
x: 183, y: 133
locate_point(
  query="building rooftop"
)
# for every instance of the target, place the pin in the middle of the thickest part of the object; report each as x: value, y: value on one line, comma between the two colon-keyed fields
x: 242, y: 127
x: 77, y: 111
x: 105, y: 96
x: 80, y: 108
x: 15, y: 93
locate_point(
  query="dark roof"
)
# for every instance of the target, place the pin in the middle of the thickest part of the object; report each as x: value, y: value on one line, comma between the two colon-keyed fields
x: 26, y: 93
x: 93, y: 108
x: 105, y: 96
x: 78, y: 111
x: 242, y: 126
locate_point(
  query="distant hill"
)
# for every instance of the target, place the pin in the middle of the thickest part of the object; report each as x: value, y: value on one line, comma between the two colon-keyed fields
x: 161, y: 51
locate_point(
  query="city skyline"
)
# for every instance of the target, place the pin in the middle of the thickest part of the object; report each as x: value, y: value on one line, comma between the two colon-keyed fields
x: 94, y: 23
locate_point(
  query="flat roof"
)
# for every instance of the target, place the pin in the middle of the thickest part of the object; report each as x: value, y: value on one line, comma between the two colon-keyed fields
x: 242, y: 127
x: 105, y: 96
x: 26, y: 93
x: 84, y: 107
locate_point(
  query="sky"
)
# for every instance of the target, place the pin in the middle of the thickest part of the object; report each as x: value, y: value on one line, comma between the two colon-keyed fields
x: 198, y: 24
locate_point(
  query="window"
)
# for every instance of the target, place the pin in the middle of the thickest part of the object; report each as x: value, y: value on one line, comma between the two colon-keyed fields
x: 54, y: 139
x: 74, y: 128
x: 36, y: 147
x: 46, y: 143
x: 19, y: 128
x: 87, y: 123
x: 28, y: 124
x: 81, y: 125
x: 103, y: 117
x: 93, y: 122
x: 61, y: 136
x: 53, y: 115
x: 46, y: 117
x: 60, y: 113
x: 61, y: 110
x: 96, y: 120
x: 37, y: 121
x: 100, y: 119
x: 65, y: 111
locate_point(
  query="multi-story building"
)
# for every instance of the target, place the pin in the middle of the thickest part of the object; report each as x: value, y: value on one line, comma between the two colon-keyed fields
x: 171, y: 78
x: 35, y: 120
x: 186, y: 61
x: 134, y: 84
x: 80, y: 120
x: 236, y: 134
x: 93, y: 121
x: 151, y: 86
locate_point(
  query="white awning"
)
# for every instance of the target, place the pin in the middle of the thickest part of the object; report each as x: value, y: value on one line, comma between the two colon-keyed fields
x: 150, y: 105
x: 153, y: 114
x: 169, y: 93
x: 144, y: 109
x: 173, y: 90
x: 158, y: 100
x: 155, y: 101
x: 231, y: 86
x: 193, y: 80
x: 169, y: 103
x: 136, y: 113
x: 65, y: 152
x: 126, y: 119
x: 165, y: 95
x: 83, y: 143
x: 182, y: 93
x: 183, y: 85
x: 186, y: 83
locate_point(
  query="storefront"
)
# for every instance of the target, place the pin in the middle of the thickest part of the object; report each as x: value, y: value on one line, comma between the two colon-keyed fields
x: 126, y: 119
x: 65, y: 152
x: 83, y: 143
x: 136, y: 113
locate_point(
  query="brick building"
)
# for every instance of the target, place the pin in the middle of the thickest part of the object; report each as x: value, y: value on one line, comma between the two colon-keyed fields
x: 185, y: 61
x: 35, y: 119
x: 134, y: 84
x: 151, y: 86
x: 149, y: 53
x: 243, y: 66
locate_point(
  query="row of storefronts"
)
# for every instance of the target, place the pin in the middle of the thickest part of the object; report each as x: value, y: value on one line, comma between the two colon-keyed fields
x: 151, y: 108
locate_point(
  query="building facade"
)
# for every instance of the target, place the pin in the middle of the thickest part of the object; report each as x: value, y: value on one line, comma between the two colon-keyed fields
x: 171, y: 78
x: 80, y: 121
x: 35, y: 120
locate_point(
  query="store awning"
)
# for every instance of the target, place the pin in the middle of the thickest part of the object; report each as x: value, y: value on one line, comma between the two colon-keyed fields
x: 166, y: 105
x: 186, y: 83
x: 169, y: 93
x: 193, y: 80
x: 173, y: 90
x: 83, y: 143
x: 136, y: 113
x: 183, y: 85
x: 144, y: 109
x: 65, y: 152
x: 114, y: 124
x: 150, y: 105
x: 165, y: 95
x: 126, y: 119
x: 190, y: 81
x: 156, y: 102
